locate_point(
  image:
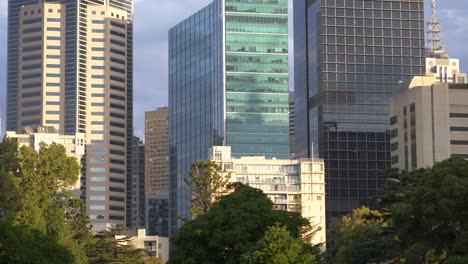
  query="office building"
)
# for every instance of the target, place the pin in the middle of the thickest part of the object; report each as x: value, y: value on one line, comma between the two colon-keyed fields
x: 349, y: 55
x: 228, y: 85
x: 70, y: 67
x: 74, y: 145
x: 293, y: 185
x: 429, y: 121
x: 135, y: 192
x: 157, y: 172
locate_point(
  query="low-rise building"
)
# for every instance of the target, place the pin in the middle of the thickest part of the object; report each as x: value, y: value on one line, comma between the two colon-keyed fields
x: 293, y: 185
x: 74, y: 144
x: 155, y: 246
x: 429, y: 122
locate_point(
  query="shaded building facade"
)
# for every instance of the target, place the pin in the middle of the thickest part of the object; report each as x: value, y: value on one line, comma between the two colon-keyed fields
x: 228, y: 85
x: 349, y: 55
x: 157, y: 172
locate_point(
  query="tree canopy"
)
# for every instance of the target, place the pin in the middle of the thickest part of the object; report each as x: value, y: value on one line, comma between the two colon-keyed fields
x: 422, y: 219
x: 232, y: 227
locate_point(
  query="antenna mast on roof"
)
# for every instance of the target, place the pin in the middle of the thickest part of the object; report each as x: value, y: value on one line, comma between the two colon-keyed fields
x: 434, y: 46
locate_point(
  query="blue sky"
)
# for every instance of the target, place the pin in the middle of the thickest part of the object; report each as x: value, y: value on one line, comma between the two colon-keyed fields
x: 153, y: 18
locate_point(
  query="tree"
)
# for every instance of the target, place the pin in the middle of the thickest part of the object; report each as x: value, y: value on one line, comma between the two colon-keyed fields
x: 422, y: 219
x: 431, y: 215
x: 363, y: 237
x: 207, y: 184
x: 232, y: 227
x: 36, y: 200
x: 278, y: 247
x: 110, y: 246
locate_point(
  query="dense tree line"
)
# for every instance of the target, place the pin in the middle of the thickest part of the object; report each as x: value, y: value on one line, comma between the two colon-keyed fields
x: 422, y: 218
x: 40, y: 222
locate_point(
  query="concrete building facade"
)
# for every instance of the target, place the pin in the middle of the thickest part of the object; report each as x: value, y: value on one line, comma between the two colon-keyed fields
x: 429, y: 122
x: 155, y: 246
x: 70, y: 66
x: 292, y: 185
x: 445, y: 70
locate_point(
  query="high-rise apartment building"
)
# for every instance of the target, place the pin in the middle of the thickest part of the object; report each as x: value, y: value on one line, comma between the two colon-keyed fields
x: 429, y: 121
x: 228, y: 85
x: 157, y: 171
x: 70, y: 67
x: 349, y: 56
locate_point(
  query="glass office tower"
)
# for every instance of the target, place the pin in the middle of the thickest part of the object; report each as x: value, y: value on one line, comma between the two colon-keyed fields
x: 349, y: 57
x: 228, y: 85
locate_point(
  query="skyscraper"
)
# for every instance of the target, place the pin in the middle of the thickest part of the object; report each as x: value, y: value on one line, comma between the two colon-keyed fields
x: 349, y: 56
x: 157, y: 171
x: 228, y: 85
x: 70, y: 67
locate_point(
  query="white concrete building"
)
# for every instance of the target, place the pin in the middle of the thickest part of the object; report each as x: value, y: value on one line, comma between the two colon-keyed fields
x: 293, y: 185
x: 429, y: 122
x: 445, y: 70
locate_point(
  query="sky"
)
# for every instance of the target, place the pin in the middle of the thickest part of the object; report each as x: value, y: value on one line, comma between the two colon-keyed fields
x: 153, y: 19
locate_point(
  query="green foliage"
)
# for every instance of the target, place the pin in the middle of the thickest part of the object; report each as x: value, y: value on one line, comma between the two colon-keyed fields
x: 207, y: 184
x: 278, y: 247
x: 231, y: 228
x: 110, y: 246
x: 360, y: 238
x: 33, y: 209
x: 422, y: 219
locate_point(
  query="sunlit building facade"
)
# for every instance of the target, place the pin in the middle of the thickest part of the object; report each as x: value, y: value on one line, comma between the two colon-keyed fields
x: 70, y: 67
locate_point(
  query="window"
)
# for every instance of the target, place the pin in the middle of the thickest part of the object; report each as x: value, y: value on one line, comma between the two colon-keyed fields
x: 53, y: 66
x: 98, y: 151
x: 95, y: 30
x: 53, y: 19
x: 97, y: 207
x: 31, y: 39
x: 100, y: 58
x: 54, y: 29
x: 31, y: 85
x: 95, y: 76
x: 98, y: 188
x: 98, y: 49
x: 97, y: 160
x: 31, y: 67
x: 116, y: 24
x: 98, y: 104
x: 95, y: 217
x: 32, y: 20
x: 319, y: 197
x: 53, y: 56
x: 98, y: 85
x: 29, y: 104
x: 54, y: 75
x: 51, y: 84
x: 98, y: 123
x: 32, y: 48
x: 53, y: 122
x: 51, y: 10
x: 97, y: 132
x: 53, y: 47
x: 93, y: 169
x: 98, y: 95
x: 52, y: 103
x: 49, y: 112
x: 27, y: 95
x: 32, y: 30
x: 32, y: 57
x: 31, y: 75
x: 98, y: 179
x: 97, y: 198
x: 98, y: 39
x: 95, y: 21
x: 52, y: 93
x: 96, y: 141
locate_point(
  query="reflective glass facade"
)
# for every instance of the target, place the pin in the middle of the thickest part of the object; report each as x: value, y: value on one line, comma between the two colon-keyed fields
x: 349, y: 56
x: 228, y: 85
x: 196, y: 109
x: 257, y: 78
